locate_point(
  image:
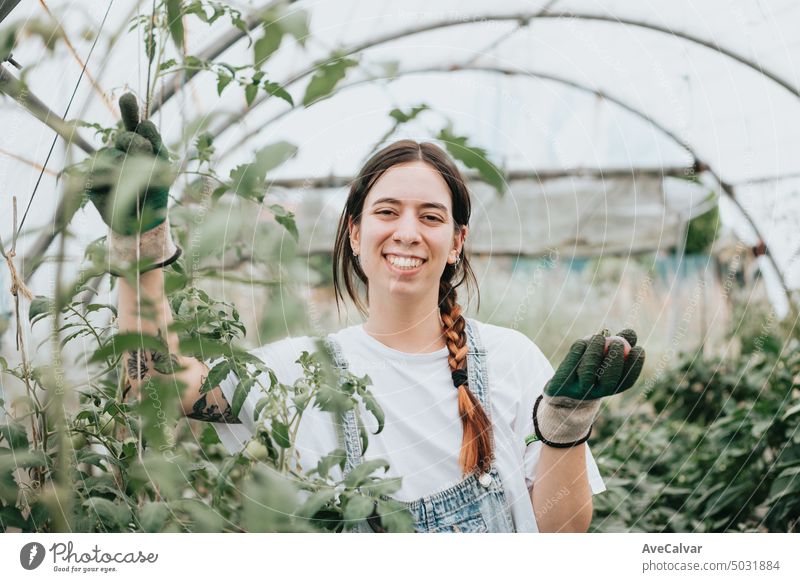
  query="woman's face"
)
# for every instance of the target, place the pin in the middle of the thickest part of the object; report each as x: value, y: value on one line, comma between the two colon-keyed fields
x: 406, y: 235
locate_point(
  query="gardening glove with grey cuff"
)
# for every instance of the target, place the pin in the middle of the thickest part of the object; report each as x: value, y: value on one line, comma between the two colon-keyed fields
x: 563, y: 415
x: 129, y: 185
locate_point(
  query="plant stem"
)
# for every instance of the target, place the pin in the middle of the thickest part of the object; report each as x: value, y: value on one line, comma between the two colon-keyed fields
x: 63, y: 477
x: 89, y: 325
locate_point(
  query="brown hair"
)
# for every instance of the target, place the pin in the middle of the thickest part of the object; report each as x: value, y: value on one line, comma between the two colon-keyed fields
x: 476, y: 446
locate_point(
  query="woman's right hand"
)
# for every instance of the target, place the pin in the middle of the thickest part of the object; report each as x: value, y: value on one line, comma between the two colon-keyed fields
x: 129, y: 185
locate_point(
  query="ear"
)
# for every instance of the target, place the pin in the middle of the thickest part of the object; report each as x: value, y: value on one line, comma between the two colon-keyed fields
x: 355, y: 235
x: 458, y: 242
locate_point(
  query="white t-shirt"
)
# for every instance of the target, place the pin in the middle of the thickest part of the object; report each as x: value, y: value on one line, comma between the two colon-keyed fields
x: 421, y: 439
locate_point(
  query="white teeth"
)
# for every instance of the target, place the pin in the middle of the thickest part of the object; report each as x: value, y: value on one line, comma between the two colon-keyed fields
x: 404, y: 262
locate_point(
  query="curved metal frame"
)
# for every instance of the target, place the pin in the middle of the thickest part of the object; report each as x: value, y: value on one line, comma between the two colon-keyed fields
x: 524, y: 18
x: 727, y: 188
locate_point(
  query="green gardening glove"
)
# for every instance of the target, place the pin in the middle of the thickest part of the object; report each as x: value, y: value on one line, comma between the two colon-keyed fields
x: 129, y: 185
x: 564, y: 413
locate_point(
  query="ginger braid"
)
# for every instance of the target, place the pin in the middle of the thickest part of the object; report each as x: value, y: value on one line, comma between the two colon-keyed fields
x: 476, y: 446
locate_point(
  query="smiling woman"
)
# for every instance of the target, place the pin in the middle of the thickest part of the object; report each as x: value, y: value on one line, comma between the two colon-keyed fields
x: 406, y: 219
x: 459, y: 395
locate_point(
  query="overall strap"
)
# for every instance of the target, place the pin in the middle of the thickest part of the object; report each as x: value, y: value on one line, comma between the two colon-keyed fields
x: 478, y: 377
x: 347, y: 427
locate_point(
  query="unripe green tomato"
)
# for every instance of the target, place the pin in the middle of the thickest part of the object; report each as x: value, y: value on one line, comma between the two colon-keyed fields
x: 105, y: 424
x: 256, y: 450
x: 235, y: 473
x: 78, y: 441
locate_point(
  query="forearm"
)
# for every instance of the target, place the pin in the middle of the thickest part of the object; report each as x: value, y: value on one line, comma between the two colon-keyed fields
x: 561, y: 496
x: 146, y: 310
x: 143, y: 309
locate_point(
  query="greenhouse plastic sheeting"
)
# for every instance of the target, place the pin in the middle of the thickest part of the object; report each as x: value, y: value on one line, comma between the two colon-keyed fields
x: 581, y: 84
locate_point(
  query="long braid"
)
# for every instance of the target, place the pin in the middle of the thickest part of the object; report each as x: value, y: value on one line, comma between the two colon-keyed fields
x: 476, y: 446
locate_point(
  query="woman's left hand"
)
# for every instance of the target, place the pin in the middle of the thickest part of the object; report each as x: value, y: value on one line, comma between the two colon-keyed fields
x: 596, y: 367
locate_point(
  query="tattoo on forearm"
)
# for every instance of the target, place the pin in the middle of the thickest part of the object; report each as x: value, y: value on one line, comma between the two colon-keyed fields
x: 202, y: 411
x: 137, y: 365
x: 164, y: 363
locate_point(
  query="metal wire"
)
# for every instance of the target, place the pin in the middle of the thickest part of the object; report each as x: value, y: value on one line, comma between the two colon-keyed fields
x: 66, y: 111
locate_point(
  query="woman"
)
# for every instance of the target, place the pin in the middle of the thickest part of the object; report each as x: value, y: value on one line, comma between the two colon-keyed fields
x: 460, y: 396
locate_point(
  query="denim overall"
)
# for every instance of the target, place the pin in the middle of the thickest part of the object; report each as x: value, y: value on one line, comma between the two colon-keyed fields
x: 470, y: 506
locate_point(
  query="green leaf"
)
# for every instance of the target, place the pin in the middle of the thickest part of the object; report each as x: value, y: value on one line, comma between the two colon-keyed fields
x: 402, y: 117
x: 250, y: 92
x: 40, y: 308
x: 358, y: 508
x: 205, y: 146
x: 286, y: 219
x: 277, y: 90
x: 155, y: 468
x: 223, y: 480
x: 296, y: 24
x: 153, y: 516
x: 275, y: 154
x: 167, y: 64
x: 269, y: 502
x: 787, y: 483
x: 395, y: 518
x: 10, y: 462
x: 223, y: 79
x: 204, y: 519
x: 98, y: 306
x: 150, y: 40
x: 11, y: 516
x: 15, y: 435
x: 100, y: 460
x: 280, y: 432
x: 385, y: 486
x: 209, y: 436
x: 335, y: 457
x: 360, y: 474
x: 794, y: 410
x: 204, y: 347
x: 375, y: 408
x: 217, y: 374
x: 331, y: 399
x: 325, y: 79
x: 316, y: 501
x: 8, y: 39
x: 473, y: 157
x: 175, y: 22
x: 247, y: 179
x: 275, y: 26
x: 129, y: 449
x: 239, y: 396
x: 114, y: 516
x: 267, y: 44
x: 362, y: 432
x: 193, y: 63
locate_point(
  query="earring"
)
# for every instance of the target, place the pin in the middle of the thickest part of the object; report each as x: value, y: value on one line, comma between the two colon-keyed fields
x: 356, y: 258
x: 457, y: 261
